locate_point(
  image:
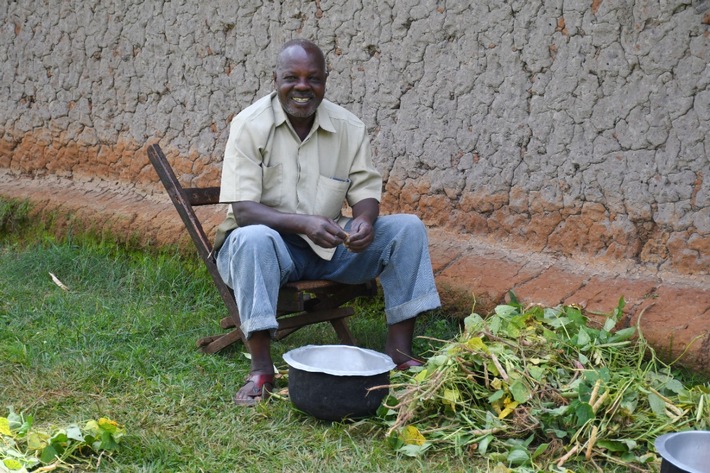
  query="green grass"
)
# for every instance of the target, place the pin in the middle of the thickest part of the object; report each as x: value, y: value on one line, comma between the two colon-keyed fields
x: 120, y: 343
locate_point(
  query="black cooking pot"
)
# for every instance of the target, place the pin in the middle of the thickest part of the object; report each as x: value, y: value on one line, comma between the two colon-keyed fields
x: 684, y: 452
x: 335, y: 382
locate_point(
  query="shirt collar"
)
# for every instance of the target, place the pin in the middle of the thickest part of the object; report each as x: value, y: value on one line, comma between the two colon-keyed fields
x: 322, y: 116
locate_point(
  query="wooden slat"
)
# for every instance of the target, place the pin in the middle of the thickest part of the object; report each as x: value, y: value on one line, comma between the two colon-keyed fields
x: 202, y: 195
x: 182, y: 204
x: 308, y: 318
x: 310, y: 285
x: 223, y: 341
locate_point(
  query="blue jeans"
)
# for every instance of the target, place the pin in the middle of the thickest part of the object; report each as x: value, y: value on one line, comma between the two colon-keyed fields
x: 256, y: 261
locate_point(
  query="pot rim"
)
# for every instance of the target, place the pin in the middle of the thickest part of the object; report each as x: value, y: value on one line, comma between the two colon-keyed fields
x: 664, y: 451
x: 383, y: 361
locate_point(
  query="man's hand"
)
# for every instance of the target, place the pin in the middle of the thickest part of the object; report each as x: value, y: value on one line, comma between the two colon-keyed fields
x: 324, y: 232
x: 362, y: 231
x: 361, y: 236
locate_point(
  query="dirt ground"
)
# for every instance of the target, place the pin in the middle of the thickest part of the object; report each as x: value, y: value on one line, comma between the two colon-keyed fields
x: 673, y: 310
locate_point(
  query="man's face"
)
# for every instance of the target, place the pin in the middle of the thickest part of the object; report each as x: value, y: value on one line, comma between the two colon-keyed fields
x: 300, y: 81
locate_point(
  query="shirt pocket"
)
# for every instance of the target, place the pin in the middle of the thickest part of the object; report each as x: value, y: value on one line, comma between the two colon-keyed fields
x: 272, y: 193
x: 330, y: 195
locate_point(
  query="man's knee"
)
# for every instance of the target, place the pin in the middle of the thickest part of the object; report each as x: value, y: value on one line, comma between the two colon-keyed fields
x: 410, y: 226
x: 254, y: 236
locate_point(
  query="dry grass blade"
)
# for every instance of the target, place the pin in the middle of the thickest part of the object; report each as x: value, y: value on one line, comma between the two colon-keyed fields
x: 56, y: 281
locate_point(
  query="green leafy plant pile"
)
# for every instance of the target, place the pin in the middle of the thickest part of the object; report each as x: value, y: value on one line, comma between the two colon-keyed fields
x: 540, y: 389
x: 25, y: 448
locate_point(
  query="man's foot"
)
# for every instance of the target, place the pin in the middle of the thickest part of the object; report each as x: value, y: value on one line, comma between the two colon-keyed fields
x: 399, y: 343
x: 257, y: 388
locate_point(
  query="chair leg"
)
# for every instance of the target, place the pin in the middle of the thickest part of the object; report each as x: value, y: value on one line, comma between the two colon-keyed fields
x: 343, y: 331
x: 222, y: 341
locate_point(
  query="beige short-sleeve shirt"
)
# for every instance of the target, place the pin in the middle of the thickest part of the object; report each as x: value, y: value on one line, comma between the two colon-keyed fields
x: 265, y: 161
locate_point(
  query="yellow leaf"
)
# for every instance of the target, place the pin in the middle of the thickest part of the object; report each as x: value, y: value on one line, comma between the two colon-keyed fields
x: 496, y: 406
x: 412, y: 436
x: 451, y: 397
x: 92, y: 427
x: 108, y: 425
x: 477, y: 343
x: 37, y: 440
x: 12, y: 464
x: 5, y: 426
x: 421, y: 376
x: 509, y: 408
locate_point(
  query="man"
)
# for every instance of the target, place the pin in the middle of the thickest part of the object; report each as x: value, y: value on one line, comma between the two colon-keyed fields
x: 292, y: 159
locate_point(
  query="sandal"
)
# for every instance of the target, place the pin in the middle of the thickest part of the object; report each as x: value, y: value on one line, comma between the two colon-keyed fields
x: 405, y: 365
x: 256, y: 388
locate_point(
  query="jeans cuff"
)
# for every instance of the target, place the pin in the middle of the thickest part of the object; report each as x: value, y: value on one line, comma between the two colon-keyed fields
x: 413, y: 308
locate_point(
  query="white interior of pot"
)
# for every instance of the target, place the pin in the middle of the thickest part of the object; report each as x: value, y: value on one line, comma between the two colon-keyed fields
x: 339, y: 360
x: 689, y: 450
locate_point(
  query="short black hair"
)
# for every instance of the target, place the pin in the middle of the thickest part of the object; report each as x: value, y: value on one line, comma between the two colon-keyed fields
x: 306, y: 45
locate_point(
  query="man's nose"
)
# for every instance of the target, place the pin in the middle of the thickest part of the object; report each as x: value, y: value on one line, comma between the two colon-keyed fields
x: 302, y: 83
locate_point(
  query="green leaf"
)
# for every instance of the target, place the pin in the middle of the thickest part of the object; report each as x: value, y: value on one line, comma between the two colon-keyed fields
x: 575, y: 315
x: 506, y: 310
x: 675, y: 386
x: 474, y: 323
x: 438, y: 360
x: 613, y: 445
x: 59, y: 438
x: 518, y: 457
x: 395, y: 442
x: 609, y: 324
x: 414, y: 450
x: 513, y: 299
x: 560, y: 434
x: 483, y: 444
x: 540, y: 450
x: 520, y: 392
x: 537, y: 372
x: 494, y: 324
x: 496, y: 396
x: 657, y: 405
x: 583, y: 338
x: 15, y: 420
x: 584, y: 413
x: 49, y: 454
x: 619, y: 310
x: 622, y: 335
x: 108, y: 442
x: 558, y: 411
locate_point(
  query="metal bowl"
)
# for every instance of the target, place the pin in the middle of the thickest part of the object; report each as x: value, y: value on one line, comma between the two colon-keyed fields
x: 334, y: 382
x: 684, y: 452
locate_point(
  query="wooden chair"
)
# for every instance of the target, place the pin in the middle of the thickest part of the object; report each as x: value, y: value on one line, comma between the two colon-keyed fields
x: 300, y: 303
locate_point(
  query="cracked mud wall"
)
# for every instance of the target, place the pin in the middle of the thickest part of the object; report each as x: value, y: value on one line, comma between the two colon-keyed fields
x: 568, y: 127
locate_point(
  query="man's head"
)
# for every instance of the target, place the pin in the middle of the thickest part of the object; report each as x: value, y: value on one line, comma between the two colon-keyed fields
x: 300, y: 78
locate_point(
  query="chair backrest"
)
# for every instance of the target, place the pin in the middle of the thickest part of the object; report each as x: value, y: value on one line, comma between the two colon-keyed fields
x: 184, y: 199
